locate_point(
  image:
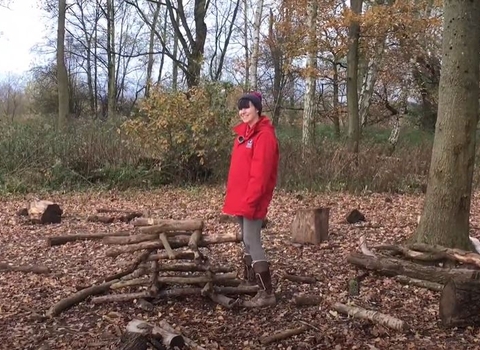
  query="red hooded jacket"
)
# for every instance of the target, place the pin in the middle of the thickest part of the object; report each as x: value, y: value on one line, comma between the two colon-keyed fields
x: 253, y: 170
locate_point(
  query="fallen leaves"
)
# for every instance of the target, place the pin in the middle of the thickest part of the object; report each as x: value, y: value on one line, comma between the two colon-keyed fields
x: 25, y: 297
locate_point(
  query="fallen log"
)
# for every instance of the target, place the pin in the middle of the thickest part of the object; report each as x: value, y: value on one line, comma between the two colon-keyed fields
x: 373, y: 316
x: 168, y: 338
x: 5, y: 267
x: 452, y: 253
x: 151, y: 225
x: 460, y: 303
x: 44, y: 212
x: 177, y: 242
x: 392, y: 267
x: 436, y: 287
x: 59, y: 240
x: 300, y: 279
x: 287, y: 333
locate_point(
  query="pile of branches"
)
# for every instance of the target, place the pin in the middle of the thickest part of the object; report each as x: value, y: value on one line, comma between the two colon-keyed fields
x: 168, y: 263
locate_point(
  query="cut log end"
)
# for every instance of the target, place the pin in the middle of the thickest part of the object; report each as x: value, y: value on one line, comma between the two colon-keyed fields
x: 460, y: 303
x: 44, y: 212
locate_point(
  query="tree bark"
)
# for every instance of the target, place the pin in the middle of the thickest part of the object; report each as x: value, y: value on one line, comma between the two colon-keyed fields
x: 446, y: 212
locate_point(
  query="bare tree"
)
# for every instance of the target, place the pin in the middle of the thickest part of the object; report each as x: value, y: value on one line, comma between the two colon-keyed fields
x: 352, y: 78
x: 62, y: 77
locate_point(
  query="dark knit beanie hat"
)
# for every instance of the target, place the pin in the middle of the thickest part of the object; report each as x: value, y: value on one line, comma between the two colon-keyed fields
x: 254, y: 97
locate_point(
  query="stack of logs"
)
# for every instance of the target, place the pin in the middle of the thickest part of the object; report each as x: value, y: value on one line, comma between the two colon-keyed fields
x: 169, y: 263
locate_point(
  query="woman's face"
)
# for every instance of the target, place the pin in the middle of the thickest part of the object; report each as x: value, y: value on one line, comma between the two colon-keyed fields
x: 249, y: 115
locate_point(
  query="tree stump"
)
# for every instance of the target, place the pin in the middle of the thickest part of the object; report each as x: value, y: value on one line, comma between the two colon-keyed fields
x: 310, y: 225
x: 45, y: 212
x: 460, y: 303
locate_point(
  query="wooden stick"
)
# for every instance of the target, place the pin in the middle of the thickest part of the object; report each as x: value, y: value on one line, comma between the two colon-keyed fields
x: 166, y: 246
x: 136, y: 263
x: 39, y: 269
x: 59, y: 240
x: 374, y: 316
x: 142, y: 237
x: 186, y: 291
x: 176, y: 243
x: 78, y: 297
x: 186, y: 267
x: 171, y: 225
x: 113, y: 298
x: 283, y: 335
x: 178, y: 256
x: 436, y: 287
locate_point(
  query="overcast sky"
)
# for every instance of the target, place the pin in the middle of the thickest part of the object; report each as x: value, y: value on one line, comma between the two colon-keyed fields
x: 21, y: 27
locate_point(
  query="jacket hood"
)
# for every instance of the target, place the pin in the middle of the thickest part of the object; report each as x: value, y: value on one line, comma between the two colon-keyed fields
x: 263, y: 123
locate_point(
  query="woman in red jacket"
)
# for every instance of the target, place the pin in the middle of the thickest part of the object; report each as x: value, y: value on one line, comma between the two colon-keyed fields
x: 251, y: 181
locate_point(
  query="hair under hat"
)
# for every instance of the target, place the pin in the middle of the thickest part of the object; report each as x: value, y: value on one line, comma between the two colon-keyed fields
x: 254, y: 97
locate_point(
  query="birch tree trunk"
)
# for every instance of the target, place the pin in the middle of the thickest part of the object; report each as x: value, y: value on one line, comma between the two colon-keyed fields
x: 112, y: 94
x: 308, y: 129
x: 446, y: 212
x: 368, y: 85
x: 352, y: 78
x: 245, y: 44
x: 256, y: 45
x: 336, y: 110
x: 62, y: 77
x: 150, y: 49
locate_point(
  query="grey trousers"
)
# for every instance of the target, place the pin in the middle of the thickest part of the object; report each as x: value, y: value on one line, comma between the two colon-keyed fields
x: 252, y: 241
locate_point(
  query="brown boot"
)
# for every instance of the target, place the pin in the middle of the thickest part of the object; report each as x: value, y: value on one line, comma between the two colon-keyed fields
x: 265, y: 296
x: 248, y: 273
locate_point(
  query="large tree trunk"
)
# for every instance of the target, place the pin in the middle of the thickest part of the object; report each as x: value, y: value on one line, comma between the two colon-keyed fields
x: 62, y: 77
x: 352, y: 78
x: 445, y: 217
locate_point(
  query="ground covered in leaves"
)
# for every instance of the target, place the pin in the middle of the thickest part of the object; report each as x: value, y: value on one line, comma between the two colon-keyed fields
x: 25, y: 297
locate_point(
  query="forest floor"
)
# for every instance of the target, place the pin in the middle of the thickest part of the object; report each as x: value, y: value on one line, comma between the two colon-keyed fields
x: 25, y: 297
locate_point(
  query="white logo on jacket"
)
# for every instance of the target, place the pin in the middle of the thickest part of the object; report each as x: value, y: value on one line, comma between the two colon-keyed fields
x: 249, y: 143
